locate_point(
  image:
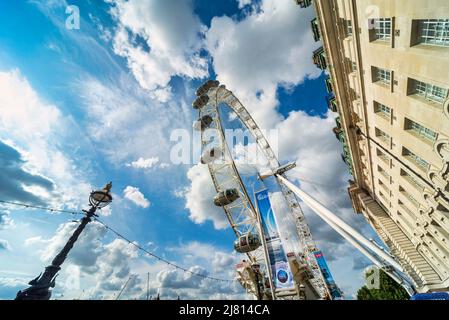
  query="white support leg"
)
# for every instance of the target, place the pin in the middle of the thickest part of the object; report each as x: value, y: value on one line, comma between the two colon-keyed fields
x: 371, y: 257
x: 328, y: 216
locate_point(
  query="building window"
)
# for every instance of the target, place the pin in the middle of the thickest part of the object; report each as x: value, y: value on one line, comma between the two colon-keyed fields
x: 383, y: 186
x: 381, y: 29
x: 383, y: 156
x: 428, y: 91
x: 348, y: 24
x: 383, y: 172
x: 420, y: 162
x: 383, y: 136
x: 382, y: 76
x: 406, y: 209
x: 434, y: 32
x: 413, y: 181
x: 409, y: 197
x: 421, y: 131
x: 387, y: 201
x: 382, y: 110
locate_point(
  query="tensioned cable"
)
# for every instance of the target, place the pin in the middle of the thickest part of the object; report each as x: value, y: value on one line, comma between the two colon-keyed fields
x: 39, y: 207
x: 133, y: 243
x: 124, y: 238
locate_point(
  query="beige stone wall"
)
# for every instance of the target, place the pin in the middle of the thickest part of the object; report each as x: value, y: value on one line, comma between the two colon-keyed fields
x: 420, y: 212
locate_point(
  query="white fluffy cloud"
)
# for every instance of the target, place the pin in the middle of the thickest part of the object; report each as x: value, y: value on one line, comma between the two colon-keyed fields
x: 199, y: 198
x: 105, y: 266
x: 127, y: 124
x: 4, y: 245
x: 159, y: 40
x: 39, y: 131
x: 270, y: 47
x: 142, y: 163
x: 134, y: 195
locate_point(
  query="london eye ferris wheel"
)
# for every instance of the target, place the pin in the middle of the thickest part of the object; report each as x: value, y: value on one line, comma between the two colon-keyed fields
x: 258, y: 273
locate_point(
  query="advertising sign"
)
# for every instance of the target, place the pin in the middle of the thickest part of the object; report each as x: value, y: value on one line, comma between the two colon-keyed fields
x: 334, y: 291
x: 280, y: 269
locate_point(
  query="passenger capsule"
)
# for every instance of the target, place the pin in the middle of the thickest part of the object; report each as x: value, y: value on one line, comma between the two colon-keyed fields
x: 211, y: 155
x: 226, y: 197
x: 200, y: 101
x: 206, y: 86
x: 247, y: 243
x: 203, y: 123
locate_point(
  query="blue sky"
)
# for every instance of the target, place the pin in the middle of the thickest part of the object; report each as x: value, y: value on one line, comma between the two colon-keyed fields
x: 81, y: 107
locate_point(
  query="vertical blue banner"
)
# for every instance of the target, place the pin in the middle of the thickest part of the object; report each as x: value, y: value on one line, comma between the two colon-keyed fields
x: 330, y: 282
x: 280, y: 269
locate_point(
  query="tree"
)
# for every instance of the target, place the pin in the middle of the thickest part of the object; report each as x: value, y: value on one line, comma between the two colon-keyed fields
x: 388, y: 289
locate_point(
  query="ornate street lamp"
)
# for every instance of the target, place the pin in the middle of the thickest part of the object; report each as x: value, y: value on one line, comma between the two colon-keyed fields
x: 40, y: 287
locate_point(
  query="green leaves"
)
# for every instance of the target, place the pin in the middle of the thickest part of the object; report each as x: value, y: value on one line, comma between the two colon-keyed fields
x: 388, y: 290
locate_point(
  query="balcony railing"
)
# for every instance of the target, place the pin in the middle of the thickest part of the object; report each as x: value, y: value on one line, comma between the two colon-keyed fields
x: 304, y: 3
x: 332, y: 103
x: 329, y: 87
x: 319, y: 58
x: 315, y: 29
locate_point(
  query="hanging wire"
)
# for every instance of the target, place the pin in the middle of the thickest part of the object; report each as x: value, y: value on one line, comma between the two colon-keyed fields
x: 133, y: 243
x: 39, y: 207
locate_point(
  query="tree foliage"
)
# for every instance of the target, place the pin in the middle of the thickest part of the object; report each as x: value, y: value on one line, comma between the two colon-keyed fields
x: 388, y: 290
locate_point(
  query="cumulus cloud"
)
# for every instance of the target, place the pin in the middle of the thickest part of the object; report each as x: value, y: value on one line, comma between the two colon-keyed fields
x: 13, y: 282
x: 5, y: 219
x: 175, y: 280
x: 106, y: 265
x: 159, y: 40
x: 4, y: 245
x: 142, y: 163
x: 268, y: 48
x: 199, y: 198
x: 13, y: 178
x: 206, y: 259
x: 86, y: 251
x: 41, y: 133
x: 121, y: 113
x: 134, y: 195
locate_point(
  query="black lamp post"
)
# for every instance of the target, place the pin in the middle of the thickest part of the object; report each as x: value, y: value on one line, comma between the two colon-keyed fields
x: 40, y: 287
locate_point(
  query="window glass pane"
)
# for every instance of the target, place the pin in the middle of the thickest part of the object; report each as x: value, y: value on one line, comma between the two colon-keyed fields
x: 383, y: 75
x: 420, y: 130
x: 382, y: 28
x: 417, y: 160
x: 434, y: 32
x: 429, y: 92
x: 383, y: 110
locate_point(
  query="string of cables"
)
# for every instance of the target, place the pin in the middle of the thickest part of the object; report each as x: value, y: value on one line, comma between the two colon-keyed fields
x: 39, y: 207
x: 133, y: 243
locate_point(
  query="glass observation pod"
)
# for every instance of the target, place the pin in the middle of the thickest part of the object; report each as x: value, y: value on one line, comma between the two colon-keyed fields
x: 211, y: 155
x: 206, y: 86
x: 226, y: 197
x: 247, y: 243
x: 203, y: 123
x: 200, y: 101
